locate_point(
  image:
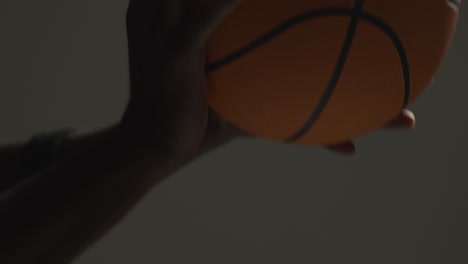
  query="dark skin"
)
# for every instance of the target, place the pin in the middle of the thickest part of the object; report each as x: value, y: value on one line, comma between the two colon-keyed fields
x: 102, y: 175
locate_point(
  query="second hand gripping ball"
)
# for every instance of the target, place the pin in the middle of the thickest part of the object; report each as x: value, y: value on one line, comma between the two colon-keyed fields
x: 325, y: 71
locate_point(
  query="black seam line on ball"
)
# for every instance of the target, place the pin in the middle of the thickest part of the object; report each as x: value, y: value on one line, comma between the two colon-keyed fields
x: 348, y: 42
x: 455, y: 3
x: 278, y: 30
x: 386, y: 28
x: 405, y: 67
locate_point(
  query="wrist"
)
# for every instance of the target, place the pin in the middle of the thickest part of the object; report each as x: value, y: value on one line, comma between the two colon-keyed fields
x: 150, y: 144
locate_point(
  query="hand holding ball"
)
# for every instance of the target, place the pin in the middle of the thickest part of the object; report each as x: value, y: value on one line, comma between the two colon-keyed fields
x: 325, y: 71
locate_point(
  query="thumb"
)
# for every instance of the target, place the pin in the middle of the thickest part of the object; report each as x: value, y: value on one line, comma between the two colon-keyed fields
x: 212, y: 10
x: 205, y: 15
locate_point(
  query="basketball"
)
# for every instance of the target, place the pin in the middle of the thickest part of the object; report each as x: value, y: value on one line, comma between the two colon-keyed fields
x: 319, y: 72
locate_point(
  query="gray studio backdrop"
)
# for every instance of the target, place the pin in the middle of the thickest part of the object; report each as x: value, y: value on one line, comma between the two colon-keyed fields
x: 404, y: 199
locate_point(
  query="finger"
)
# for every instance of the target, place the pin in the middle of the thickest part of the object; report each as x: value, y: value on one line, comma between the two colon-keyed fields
x: 405, y: 120
x: 218, y: 126
x: 212, y: 8
x: 347, y: 148
x: 205, y: 15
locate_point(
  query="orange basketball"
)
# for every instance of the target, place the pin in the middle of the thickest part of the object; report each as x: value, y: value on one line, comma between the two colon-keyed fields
x: 325, y: 71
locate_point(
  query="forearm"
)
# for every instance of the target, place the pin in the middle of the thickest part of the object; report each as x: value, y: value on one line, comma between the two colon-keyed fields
x: 9, y: 160
x: 19, y: 161
x: 56, y: 215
